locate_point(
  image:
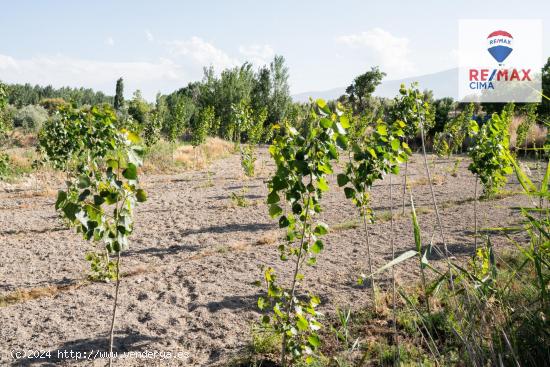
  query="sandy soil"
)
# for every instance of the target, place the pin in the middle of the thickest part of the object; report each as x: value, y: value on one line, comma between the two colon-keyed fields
x: 194, y: 258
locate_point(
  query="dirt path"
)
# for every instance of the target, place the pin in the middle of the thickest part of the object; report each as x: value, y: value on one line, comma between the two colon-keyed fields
x: 194, y: 259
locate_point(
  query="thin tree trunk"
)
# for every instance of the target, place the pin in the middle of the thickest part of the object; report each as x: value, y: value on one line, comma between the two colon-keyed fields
x: 114, y: 310
x: 475, y: 215
x: 434, y: 201
x: 405, y: 185
x: 438, y: 217
x: 293, y: 287
x: 394, y: 296
x: 369, y: 257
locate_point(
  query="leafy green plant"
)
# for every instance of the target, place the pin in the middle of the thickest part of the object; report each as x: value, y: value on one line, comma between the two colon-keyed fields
x: 451, y: 139
x: 5, y: 126
x: 5, y: 165
x: 153, y: 123
x: 489, y: 150
x: 102, y: 268
x: 103, y: 189
x: 528, y: 121
x: 303, y: 160
x: 240, y: 121
x: 413, y: 109
x: 202, y: 125
x: 239, y: 199
x: 256, y: 130
x: 248, y: 159
x: 180, y: 111
x: 456, y: 165
x: 372, y: 157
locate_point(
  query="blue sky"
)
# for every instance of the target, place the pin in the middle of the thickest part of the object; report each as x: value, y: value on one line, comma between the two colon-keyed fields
x: 162, y: 45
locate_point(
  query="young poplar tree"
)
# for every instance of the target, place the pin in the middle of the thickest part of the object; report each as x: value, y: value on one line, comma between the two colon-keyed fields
x: 102, y: 187
x: 303, y: 159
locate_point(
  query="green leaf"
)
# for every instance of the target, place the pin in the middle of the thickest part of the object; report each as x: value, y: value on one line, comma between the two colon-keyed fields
x: 342, y: 141
x: 130, y: 172
x: 525, y: 182
x: 262, y: 303
x: 473, y: 127
x: 349, y: 192
x: 283, y: 222
x: 321, y: 103
x: 344, y: 121
x: 342, y: 179
x: 133, y: 137
x: 404, y: 256
x: 321, y: 229
x: 273, y: 198
x: 113, y: 163
x: 317, y: 247
x: 314, y: 341
x: 83, y: 182
x: 275, y: 210
x: 141, y: 195
x: 325, y: 123
x: 382, y: 130
x: 61, y: 197
x: 301, y: 323
x: 416, y: 228
x: 544, y: 183
x: 70, y: 210
x: 395, y: 144
x: 372, y: 152
x: 325, y: 168
x: 322, y: 184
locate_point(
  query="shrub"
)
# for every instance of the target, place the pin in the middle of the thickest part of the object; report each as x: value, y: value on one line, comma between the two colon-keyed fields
x: 30, y: 118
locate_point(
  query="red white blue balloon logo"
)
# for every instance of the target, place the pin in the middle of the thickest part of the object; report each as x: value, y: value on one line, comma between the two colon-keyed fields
x: 500, y: 45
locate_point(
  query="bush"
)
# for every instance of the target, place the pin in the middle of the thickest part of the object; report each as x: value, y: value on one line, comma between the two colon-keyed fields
x: 53, y: 104
x: 30, y: 117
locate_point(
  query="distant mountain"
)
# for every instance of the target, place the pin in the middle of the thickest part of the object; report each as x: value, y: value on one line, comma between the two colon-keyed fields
x: 443, y: 84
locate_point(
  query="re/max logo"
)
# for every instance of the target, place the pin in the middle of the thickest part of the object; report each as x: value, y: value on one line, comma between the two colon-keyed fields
x: 487, y: 75
x: 484, y: 78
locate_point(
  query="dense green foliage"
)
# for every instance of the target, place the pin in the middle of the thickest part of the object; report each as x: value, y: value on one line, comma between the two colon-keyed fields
x: 30, y: 118
x: 529, y: 119
x: 102, y: 164
x: 119, y: 94
x: 489, y: 150
x: 25, y: 94
x: 4, y: 123
x: 303, y: 159
x: 451, y: 139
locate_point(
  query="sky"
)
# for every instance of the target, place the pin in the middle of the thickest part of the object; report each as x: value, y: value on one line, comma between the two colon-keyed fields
x: 164, y: 44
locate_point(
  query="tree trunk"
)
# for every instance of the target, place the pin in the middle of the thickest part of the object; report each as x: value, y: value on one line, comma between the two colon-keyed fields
x: 114, y: 310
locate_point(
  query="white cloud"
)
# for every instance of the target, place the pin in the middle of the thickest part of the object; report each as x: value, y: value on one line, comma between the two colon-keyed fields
x: 164, y: 75
x: 202, y: 53
x: 110, y: 41
x: 257, y: 54
x: 149, y: 35
x: 391, y: 52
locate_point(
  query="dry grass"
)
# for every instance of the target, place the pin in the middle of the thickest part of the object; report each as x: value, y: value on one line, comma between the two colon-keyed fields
x: 345, y: 225
x: 23, y: 295
x: 436, y: 180
x: 268, y: 238
x: 201, y: 156
x: 166, y: 157
x: 536, y: 134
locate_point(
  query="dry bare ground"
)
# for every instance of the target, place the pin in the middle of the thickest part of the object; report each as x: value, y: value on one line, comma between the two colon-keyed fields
x: 194, y: 258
